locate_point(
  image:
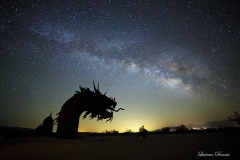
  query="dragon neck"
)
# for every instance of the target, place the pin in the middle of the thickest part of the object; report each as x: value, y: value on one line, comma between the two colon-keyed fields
x: 78, y: 103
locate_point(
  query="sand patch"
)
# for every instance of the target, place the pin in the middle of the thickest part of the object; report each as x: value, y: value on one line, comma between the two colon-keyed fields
x: 185, y: 146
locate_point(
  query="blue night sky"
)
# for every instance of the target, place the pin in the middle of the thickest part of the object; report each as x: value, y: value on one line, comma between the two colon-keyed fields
x: 166, y: 62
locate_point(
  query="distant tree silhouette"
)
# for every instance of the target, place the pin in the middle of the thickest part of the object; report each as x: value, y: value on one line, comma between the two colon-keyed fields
x: 143, y: 132
x: 234, y: 117
x: 181, y: 129
x: 165, y: 130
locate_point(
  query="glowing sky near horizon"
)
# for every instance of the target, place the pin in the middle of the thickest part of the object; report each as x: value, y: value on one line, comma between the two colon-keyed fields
x: 166, y: 62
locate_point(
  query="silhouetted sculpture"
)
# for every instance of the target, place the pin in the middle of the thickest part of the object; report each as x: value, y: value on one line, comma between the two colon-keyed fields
x: 38, y: 130
x: 46, y: 128
x: 93, y: 102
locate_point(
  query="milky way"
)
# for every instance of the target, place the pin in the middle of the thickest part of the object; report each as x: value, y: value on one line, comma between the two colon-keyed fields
x: 166, y: 62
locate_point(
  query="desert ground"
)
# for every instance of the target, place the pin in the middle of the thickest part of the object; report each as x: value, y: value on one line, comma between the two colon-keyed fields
x: 154, y: 147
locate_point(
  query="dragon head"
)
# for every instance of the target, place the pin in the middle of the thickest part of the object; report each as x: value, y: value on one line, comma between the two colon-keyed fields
x: 99, y: 105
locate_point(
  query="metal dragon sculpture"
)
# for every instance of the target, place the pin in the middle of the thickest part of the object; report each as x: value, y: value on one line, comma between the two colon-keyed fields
x: 46, y: 128
x: 93, y: 103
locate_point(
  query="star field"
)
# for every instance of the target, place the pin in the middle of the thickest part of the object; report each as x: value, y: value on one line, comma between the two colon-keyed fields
x: 166, y: 62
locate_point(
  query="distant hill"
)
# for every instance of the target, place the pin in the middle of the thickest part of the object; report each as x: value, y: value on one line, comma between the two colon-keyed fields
x: 212, y: 124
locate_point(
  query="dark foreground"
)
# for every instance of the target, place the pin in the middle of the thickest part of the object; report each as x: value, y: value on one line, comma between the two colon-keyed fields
x: 155, y: 147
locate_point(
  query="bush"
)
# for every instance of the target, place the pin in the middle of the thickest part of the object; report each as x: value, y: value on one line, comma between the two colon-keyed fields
x: 106, y: 132
x: 109, y: 133
x: 114, y: 132
x: 128, y: 132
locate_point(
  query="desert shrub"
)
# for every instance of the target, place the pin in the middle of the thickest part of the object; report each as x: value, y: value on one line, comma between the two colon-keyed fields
x: 143, y: 132
x: 166, y: 130
x: 106, y: 133
x: 128, y: 132
x: 109, y: 133
x: 114, y: 132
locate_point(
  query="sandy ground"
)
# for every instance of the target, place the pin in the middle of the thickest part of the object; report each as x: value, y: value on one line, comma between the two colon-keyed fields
x: 155, y: 147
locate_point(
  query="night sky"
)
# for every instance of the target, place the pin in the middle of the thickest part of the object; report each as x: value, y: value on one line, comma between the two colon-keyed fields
x: 166, y: 62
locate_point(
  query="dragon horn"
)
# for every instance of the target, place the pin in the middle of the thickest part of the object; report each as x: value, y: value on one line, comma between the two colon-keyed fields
x: 94, y: 87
